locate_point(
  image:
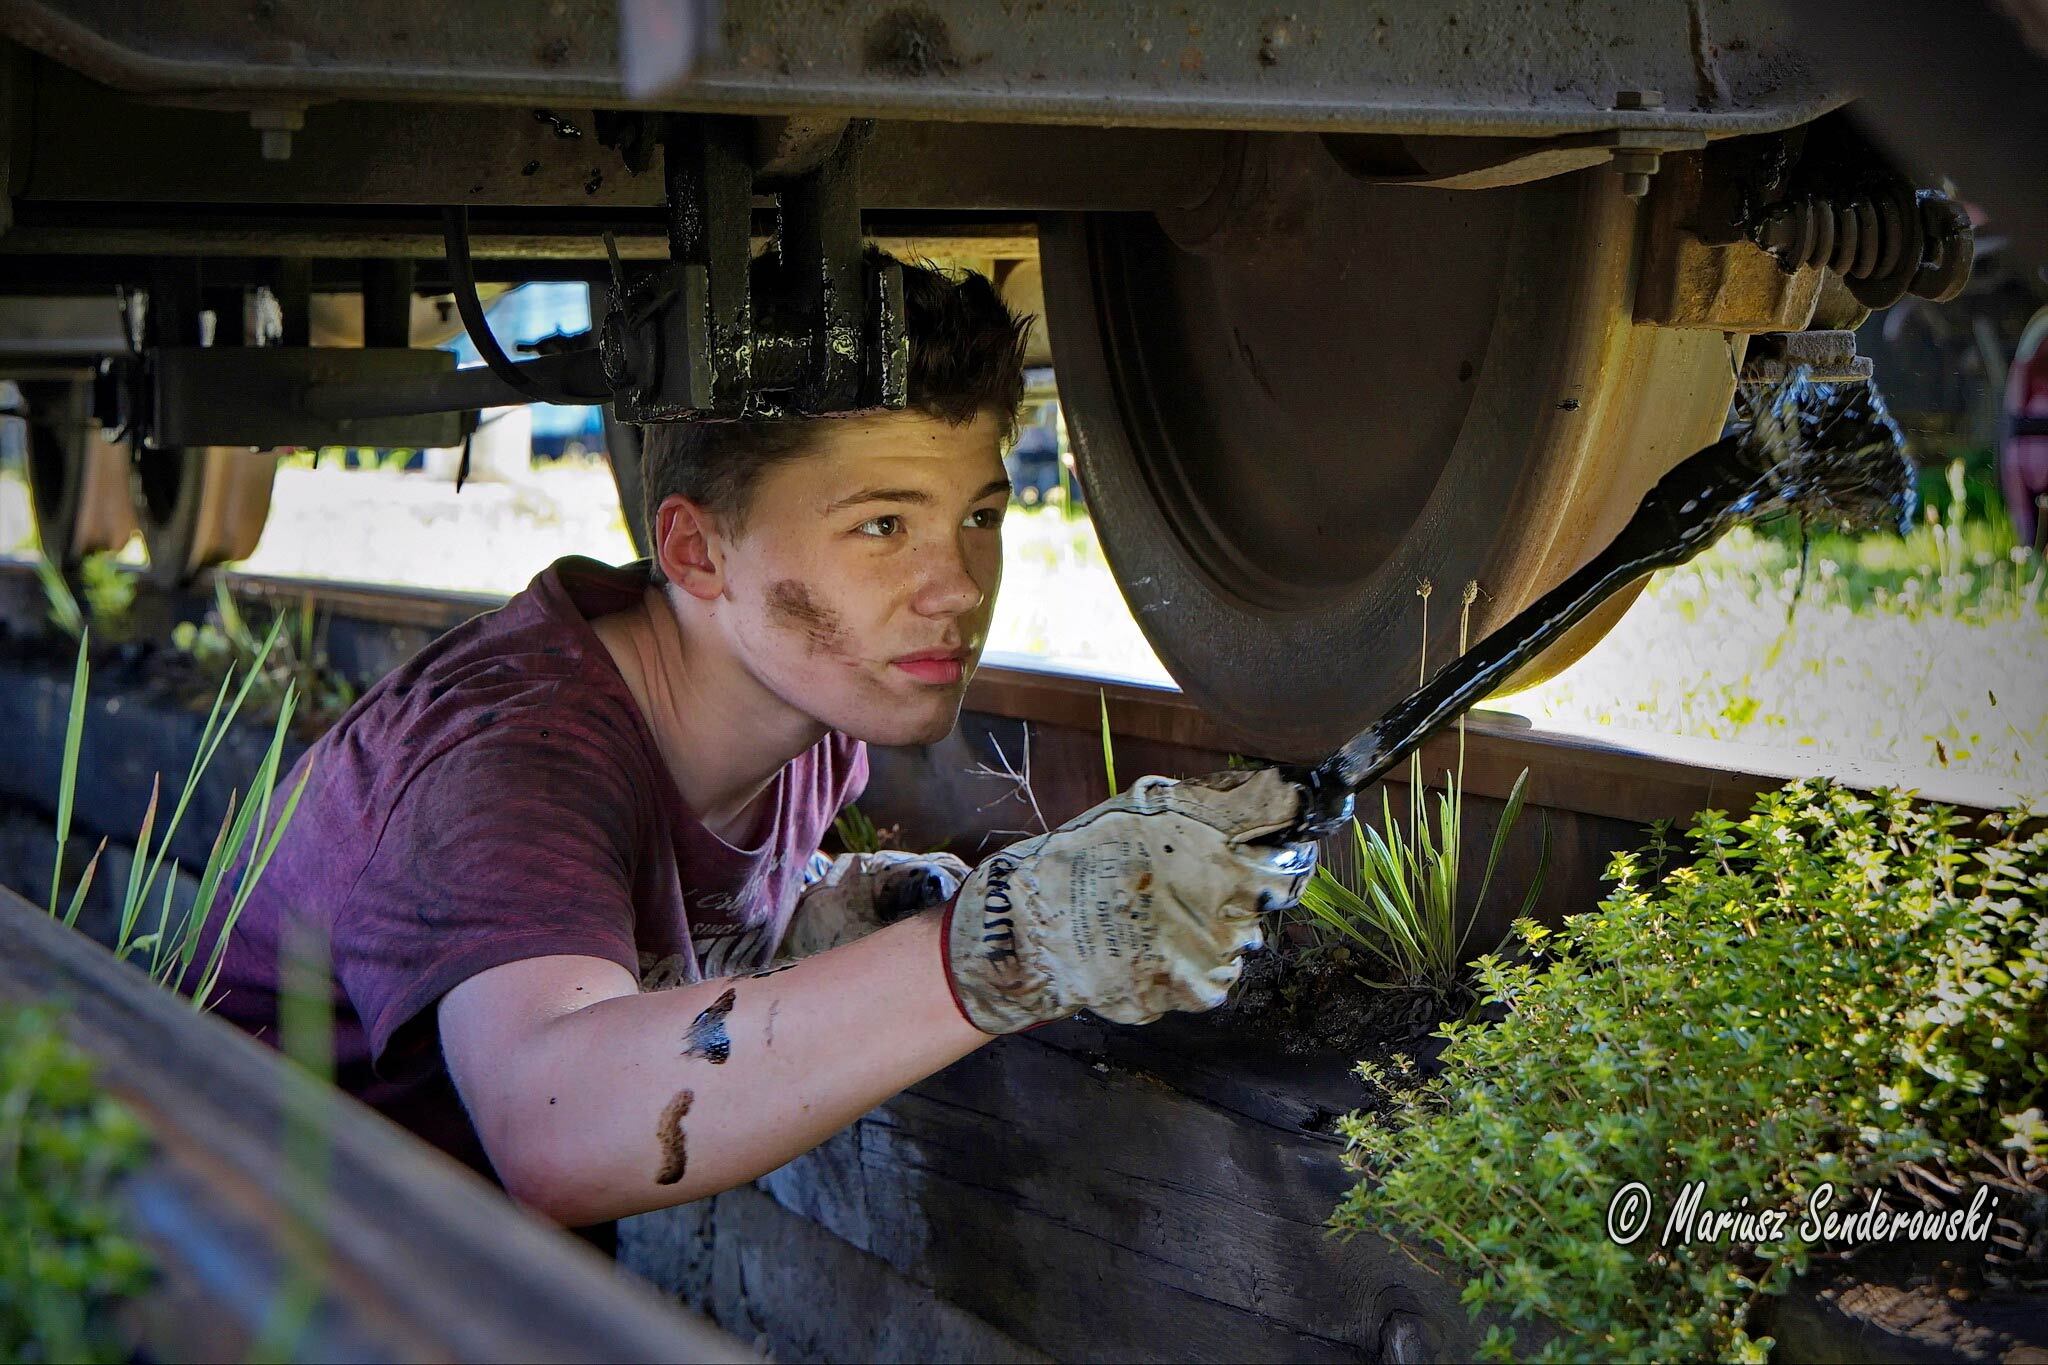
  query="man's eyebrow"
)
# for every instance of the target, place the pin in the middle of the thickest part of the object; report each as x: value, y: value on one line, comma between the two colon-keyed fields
x: 910, y: 495
x: 916, y: 495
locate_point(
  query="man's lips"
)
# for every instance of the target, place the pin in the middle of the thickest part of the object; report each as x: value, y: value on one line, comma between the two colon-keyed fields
x: 933, y: 665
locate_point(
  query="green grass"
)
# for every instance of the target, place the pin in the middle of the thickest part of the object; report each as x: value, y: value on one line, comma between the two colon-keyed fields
x: 171, y: 949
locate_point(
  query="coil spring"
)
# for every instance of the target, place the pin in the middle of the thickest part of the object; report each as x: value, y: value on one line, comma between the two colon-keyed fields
x: 1883, y: 245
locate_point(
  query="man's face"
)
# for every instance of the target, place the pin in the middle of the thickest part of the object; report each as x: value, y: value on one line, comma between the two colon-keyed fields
x: 861, y: 586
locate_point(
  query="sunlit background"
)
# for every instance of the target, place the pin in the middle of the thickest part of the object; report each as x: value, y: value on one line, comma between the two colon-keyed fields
x: 1928, y: 650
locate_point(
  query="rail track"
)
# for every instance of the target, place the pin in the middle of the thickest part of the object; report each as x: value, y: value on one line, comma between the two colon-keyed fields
x: 955, y: 1220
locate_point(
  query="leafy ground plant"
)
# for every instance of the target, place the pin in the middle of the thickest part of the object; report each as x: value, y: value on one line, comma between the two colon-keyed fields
x: 64, y: 1262
x: 1401, y: 908
x: 109, y: 597
x: 289, y: 660
x: 1839, y: 988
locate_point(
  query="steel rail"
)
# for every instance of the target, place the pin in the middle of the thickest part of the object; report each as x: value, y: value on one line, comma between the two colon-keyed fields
x: 419, y: 1259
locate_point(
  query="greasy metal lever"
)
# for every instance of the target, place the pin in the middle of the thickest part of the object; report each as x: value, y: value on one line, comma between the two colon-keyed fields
x: 1824, y: 453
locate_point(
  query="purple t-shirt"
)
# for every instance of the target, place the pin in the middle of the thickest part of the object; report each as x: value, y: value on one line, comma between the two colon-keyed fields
x: 500, y: 797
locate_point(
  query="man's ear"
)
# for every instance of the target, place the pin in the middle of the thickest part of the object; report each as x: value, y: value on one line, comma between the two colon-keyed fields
x: 690, y: 547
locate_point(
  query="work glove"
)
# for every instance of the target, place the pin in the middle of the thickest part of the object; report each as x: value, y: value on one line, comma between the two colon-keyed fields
x: 858, y: 893
x: 1143, y: 904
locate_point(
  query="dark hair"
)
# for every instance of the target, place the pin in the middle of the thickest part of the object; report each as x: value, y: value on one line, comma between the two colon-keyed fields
x: 966, y: 357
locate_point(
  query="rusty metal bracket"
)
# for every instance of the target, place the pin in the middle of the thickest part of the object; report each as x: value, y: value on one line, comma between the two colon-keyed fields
x: 812, y: 327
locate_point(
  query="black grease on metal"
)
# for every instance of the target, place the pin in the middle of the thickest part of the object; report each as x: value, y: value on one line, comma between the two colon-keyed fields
x: 530, y: 168
x: 562, y: 126
x: 1818, y: 452
x: 596, y: 181
x: 675, y: 1156
x: 707, y: 1037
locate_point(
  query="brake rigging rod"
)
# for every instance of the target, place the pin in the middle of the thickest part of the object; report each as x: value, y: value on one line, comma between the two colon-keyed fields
x: 1823, y: 453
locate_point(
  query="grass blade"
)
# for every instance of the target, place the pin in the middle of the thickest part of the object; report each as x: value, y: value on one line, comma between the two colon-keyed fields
x: 248, y: 885
x: 1509, y: 814
x: 84, y: 881
x: 132, y: 898
x: 1536, y: 878
x: 1108, y: 753
x: 67, y: 773
x: 217, y: 859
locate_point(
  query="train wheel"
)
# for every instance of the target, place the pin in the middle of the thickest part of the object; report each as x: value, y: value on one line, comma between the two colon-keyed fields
x: 78, y: 481
x: 1295, y: 403
x: 200, y: 506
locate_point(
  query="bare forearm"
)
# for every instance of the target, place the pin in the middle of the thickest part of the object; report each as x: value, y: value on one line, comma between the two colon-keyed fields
x: 642, y: 1101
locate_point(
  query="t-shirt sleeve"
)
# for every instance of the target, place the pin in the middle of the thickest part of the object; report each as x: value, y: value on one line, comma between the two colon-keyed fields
x: 513, y: 843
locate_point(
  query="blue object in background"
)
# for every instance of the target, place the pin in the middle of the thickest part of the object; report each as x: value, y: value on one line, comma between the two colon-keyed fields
x: 524, y: 315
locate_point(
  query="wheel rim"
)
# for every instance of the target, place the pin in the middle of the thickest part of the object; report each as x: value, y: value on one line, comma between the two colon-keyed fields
x: 1464, y: 362
x: 200, y: 506
x: 77, y: 481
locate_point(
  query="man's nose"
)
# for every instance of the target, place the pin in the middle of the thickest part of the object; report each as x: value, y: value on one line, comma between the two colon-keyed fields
x: 949, y: 589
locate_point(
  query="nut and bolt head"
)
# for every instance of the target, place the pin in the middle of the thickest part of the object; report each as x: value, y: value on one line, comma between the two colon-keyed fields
x: 1639, y: 99
x: 1637, y: 165
x: 276, y: 127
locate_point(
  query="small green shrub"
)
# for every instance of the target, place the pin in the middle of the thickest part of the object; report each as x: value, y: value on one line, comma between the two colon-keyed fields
x: 109, y: 597
x: 857, y: 833
x: 64, y: 1262
x: 1830, y: 990
x: 109, y: 594
x: 294, y: 663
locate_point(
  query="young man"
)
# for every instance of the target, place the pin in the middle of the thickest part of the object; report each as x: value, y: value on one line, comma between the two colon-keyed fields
x: 618, y: 779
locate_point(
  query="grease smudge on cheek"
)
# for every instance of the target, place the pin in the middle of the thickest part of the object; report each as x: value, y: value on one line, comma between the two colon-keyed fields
x: 793, y: 606
x: 675, y: 1157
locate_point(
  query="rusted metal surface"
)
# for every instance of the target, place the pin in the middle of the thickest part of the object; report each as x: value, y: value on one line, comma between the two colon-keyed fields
x: 1827, y: 212
x: 1729, y: 286
x: 423, y: 1260
x: 84, y: 144
x: 1449, y: 66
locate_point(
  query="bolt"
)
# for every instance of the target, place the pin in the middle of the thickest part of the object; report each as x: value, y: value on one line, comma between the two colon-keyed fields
x: 1639, y: 99
x: 277, y: 127
x: 1637, y: 165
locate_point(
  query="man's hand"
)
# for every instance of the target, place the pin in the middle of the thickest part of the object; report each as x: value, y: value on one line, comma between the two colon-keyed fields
x: 861, y: 892
x: 1143, y: 904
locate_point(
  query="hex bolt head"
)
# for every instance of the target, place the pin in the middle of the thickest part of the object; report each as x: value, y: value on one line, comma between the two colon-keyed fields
x: 276, y: 127
x: 1637, y: 165
x: 1639, y: 99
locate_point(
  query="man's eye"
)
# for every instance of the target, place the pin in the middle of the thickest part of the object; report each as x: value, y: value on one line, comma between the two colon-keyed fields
x: 985, y: 518
x: 888, y: 525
